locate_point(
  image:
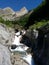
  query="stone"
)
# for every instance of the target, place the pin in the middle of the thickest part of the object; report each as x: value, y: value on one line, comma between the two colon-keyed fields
x: 9, y: 14
x: 6, y: 35
x: 4, y: 56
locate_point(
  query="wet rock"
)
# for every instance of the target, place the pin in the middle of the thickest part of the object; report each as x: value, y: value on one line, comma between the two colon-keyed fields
x: 13, y: 46
x: 17, y: 60
x: 41, y: 50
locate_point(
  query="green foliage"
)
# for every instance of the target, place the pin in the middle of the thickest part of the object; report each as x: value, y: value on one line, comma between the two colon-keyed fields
x: 22, y: 21
x: 38, y: 24
x: 1, y: 20
x: 8, y: 23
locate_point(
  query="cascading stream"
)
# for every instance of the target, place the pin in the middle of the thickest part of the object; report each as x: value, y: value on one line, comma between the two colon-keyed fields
x: 21, y: 48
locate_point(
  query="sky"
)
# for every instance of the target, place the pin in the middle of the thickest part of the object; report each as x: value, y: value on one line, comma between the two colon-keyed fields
x: 18, y: 4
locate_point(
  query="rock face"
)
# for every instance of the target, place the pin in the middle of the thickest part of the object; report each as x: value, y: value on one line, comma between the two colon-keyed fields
x: 22, y: 12
x: 30, y: 37
x: 41, y: 54
x: 9, y: 14
x: 8, y: 10
x: 6, y: 35
x: 4, y: 56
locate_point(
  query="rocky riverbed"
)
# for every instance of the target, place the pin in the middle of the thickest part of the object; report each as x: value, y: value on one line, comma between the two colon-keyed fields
x: 17, y: 60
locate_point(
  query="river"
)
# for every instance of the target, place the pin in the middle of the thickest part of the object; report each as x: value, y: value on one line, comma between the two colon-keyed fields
x: 21, y: 48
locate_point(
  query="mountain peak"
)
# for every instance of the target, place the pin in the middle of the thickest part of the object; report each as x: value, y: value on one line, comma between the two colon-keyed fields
x: 24, y: 8
x: 9, y: 10
x: 9, y: 14
x: 22, y: 12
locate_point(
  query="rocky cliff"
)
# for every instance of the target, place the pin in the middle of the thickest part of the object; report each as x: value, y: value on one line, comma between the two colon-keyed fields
x: 4, y: 55
x: 6, y: 34
x: 9, y: 14
x: 6, y: 37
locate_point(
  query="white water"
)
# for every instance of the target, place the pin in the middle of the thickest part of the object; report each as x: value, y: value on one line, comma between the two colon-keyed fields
x: 17, y: 40
x: 28, y: 58
x: 35, y: 33
x: 22, y: 48
x: 18, y: 37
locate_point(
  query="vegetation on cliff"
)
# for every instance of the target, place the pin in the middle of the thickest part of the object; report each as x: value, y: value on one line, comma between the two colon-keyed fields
x: 39, y: 24
x: 21, y: 22
x: 39, y: 14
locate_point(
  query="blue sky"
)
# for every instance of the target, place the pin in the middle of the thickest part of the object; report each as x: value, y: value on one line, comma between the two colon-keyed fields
x: 18, y: 4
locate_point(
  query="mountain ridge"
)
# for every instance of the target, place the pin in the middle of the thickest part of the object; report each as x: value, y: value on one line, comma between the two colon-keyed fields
x: 9, y: 14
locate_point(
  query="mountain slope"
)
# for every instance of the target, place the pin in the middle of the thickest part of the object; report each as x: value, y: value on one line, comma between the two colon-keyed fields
x: 9, y: 14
